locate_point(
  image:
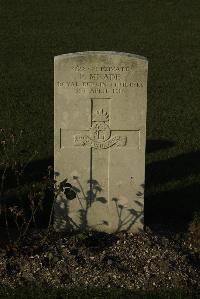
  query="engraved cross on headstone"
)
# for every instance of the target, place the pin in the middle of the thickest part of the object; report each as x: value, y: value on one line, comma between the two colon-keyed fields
x: 100, y: 136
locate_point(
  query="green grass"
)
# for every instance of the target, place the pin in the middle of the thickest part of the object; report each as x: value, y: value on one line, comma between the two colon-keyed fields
x: 48, y: 293
x: 166, y: 32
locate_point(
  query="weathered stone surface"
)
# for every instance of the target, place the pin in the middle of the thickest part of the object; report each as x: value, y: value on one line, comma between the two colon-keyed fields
x: 100, y: 126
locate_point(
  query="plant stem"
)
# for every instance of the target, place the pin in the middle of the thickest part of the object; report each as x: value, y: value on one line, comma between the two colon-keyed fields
x: 29, y: 222
x: 6, y: 221
x: 3, y: 179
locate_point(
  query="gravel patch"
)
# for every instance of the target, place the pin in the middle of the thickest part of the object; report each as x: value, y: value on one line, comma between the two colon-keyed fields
x: 144, y: 261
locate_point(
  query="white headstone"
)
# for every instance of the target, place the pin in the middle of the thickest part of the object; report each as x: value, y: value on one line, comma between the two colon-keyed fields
x: 100, y: 135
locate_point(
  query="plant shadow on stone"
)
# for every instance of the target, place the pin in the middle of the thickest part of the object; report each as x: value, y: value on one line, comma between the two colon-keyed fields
x: 87, y: 199
x: 172, y: 209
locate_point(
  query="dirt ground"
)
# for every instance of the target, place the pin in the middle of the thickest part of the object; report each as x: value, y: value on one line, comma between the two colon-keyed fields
x: 144, y: 261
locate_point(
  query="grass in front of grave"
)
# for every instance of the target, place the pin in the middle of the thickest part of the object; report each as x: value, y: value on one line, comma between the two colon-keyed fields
x: 48, y: 293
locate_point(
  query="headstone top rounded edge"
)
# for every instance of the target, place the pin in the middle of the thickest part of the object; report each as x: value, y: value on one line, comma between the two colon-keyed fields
x: 69, y: 55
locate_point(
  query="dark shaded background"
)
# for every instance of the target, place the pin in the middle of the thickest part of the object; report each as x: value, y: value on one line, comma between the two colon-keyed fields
x: 166, y: 32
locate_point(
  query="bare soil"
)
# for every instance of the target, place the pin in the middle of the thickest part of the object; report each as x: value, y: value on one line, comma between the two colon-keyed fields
x: 145, y: 261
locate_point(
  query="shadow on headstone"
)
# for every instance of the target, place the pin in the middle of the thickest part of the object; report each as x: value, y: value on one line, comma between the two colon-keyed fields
x: 126, y: 222
x: 88, y: 198
x: 126, y: 217
x: 171, y: 209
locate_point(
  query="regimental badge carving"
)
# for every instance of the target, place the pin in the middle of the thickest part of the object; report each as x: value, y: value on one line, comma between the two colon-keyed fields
x: 100, y: 133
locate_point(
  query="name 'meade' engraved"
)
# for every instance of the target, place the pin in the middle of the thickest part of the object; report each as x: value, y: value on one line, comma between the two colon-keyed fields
x: 109, y: 77
x: 102, y: 79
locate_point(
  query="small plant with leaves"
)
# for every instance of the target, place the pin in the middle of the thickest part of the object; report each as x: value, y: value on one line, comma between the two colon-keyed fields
x: 14, y: 159
x: 32, y: 199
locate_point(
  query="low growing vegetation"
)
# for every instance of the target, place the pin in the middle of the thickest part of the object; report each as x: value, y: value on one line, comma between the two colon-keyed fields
x: 37, y: 261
